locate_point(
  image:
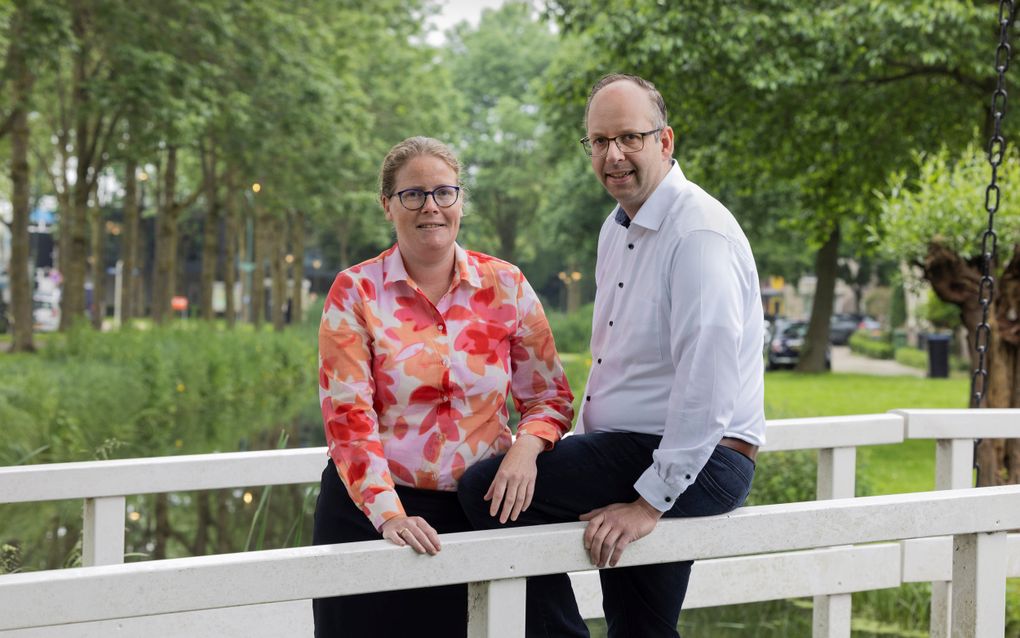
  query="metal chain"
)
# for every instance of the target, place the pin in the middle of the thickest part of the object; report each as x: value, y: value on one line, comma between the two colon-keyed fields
x: 989, y: 241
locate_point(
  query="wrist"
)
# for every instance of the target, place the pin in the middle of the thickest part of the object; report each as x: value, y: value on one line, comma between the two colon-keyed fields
x: 648, y: 508
x: 530, y: 442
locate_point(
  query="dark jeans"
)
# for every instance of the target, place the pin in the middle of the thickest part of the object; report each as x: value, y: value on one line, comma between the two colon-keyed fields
x: 587, y: 471
x: 436, y: 611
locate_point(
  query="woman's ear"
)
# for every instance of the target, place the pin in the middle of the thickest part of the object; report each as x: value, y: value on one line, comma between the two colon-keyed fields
x: 385, y: 201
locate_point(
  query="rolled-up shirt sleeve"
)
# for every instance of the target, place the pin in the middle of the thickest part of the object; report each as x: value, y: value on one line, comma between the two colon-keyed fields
x: 346, y: 395
x: 539, y: 385
x: 705, y: 288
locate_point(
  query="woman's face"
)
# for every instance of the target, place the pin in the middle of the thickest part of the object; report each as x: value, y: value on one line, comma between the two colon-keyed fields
x: 430, y: 231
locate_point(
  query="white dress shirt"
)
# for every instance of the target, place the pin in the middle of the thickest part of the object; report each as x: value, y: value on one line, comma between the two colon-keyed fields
x: 676, y: 334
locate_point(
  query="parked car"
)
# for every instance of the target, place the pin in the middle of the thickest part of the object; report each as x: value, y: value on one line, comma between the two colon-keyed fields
x: 841, y: 326
x: 784, y: 350
x: 45, y: 314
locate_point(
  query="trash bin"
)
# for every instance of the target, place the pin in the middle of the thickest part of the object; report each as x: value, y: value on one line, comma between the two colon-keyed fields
x: 938, y: 356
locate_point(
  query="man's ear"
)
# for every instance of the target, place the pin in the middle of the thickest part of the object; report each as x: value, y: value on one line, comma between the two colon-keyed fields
x: 667, y: 142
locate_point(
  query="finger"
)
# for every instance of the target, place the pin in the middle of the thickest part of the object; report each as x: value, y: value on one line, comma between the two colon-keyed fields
x: 608, y: 547
x: 529, y: 495
x: 509, y: 498
x: 488, y: 494
x: 394, y: 537
x: 415, y: 539
x: 591, y: 530
x: 600, y: 549
x: 433, y: 539
x: 498, y: 488
x: 621, y: 544
x: 522, y: 494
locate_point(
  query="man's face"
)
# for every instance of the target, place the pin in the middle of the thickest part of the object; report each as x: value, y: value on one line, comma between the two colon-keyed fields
x: 619, y: 108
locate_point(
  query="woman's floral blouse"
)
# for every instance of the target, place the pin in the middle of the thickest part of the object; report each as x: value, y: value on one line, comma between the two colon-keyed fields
x: 413, y: 393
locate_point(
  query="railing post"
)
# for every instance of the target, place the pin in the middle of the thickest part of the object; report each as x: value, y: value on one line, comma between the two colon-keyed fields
x: 103, y: 531
x: 954, y: 469
x: 496, y: 608
x: 837, y: 474
x: 979, y: 585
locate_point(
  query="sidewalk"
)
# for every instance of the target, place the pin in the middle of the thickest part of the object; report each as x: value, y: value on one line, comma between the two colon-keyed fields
x: 845, y: 361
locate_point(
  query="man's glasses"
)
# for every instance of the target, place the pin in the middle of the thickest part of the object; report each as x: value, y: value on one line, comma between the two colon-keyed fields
x: 627, y: 143
x: 414, y: 198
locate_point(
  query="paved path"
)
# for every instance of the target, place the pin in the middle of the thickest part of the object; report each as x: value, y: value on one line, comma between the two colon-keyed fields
x: 845, y: 361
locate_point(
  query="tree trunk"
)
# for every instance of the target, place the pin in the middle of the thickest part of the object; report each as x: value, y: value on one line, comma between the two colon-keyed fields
x: 812, y: 356
x: 162, y: 531
x: 297, y: 243
x: 258, y: 276
x: 210, y: 234
x: 957, y: 281
x: 129, y: 247
x: 98, y: 264
x: 278, y: 271
x: 72, y: 304
x: 231, y: 237
x: 19, y: 269
x: 164, y: 277
x: 198, y: 548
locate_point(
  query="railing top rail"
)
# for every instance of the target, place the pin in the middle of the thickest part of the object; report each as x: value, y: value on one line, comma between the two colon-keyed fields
x: 207, y: 582
x: 990, y: 423
x: 97, y: 479
x: 833, y: 431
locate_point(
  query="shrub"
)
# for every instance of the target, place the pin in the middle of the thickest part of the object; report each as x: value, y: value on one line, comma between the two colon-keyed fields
x: 870, y: 347
x: 572, y: 331
x: 912, y: 357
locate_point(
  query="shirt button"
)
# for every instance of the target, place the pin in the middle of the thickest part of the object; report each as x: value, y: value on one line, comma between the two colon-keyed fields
x: 669, y: 499
x: 687, y: 476
x: 610, y: 324
x: 442, y: 328
x: 600, y: 360
x: 446, y: 362
x: 587, y: 398
x: 631, y: 246
x: 621, y: 284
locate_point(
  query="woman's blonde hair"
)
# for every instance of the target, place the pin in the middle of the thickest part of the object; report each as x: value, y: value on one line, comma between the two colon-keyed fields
x: 407, y: 150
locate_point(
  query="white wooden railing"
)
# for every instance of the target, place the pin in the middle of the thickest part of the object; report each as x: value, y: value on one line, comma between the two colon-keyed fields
x: 731, y: 549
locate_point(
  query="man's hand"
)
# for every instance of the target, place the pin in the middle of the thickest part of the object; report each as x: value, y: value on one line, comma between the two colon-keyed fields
x: 414, y: 531
x: 613, y: 527
x: 514, y: 483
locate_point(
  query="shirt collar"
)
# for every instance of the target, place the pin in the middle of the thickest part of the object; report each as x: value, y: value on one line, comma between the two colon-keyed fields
x: 394, y: 270
x: 656, y: 207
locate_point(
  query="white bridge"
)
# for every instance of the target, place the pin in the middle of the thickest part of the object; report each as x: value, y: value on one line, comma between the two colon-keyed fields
x: 957, y: 538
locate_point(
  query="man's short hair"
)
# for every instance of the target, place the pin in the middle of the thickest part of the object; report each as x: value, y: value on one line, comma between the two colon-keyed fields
x: 659, y: 119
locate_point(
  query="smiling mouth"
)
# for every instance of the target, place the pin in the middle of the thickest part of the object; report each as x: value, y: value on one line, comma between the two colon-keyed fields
x: 431, y: 226
x: 620, y: 174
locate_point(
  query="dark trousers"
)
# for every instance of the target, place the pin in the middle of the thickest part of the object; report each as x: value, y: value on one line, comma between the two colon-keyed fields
x: 587, y: 471
x: 436, y: 611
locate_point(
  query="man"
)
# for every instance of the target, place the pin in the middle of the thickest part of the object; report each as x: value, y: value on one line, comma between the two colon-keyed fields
x: 672, y: 415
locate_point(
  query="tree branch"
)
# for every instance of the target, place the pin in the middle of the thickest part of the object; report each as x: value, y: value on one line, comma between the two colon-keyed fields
x: 911, y: 71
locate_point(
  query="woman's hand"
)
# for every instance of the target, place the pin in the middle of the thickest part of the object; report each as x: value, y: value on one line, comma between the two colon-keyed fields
x: 514, y: 483
x: 414, y: 531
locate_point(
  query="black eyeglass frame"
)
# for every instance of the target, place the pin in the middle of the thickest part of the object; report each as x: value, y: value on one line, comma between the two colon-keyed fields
x: 400, y: 196
x: 586, y: 142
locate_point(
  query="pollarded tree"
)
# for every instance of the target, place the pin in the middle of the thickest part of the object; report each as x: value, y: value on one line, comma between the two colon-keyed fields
x: 935, y: 217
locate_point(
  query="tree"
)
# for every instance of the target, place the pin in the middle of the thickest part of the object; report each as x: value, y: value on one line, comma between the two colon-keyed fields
x: 29, y: 27
x: 933, y: 215
x: 505, y: 145
x: 823, y: 99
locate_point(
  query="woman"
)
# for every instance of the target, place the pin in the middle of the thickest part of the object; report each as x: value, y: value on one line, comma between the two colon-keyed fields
x: 418, y: 348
